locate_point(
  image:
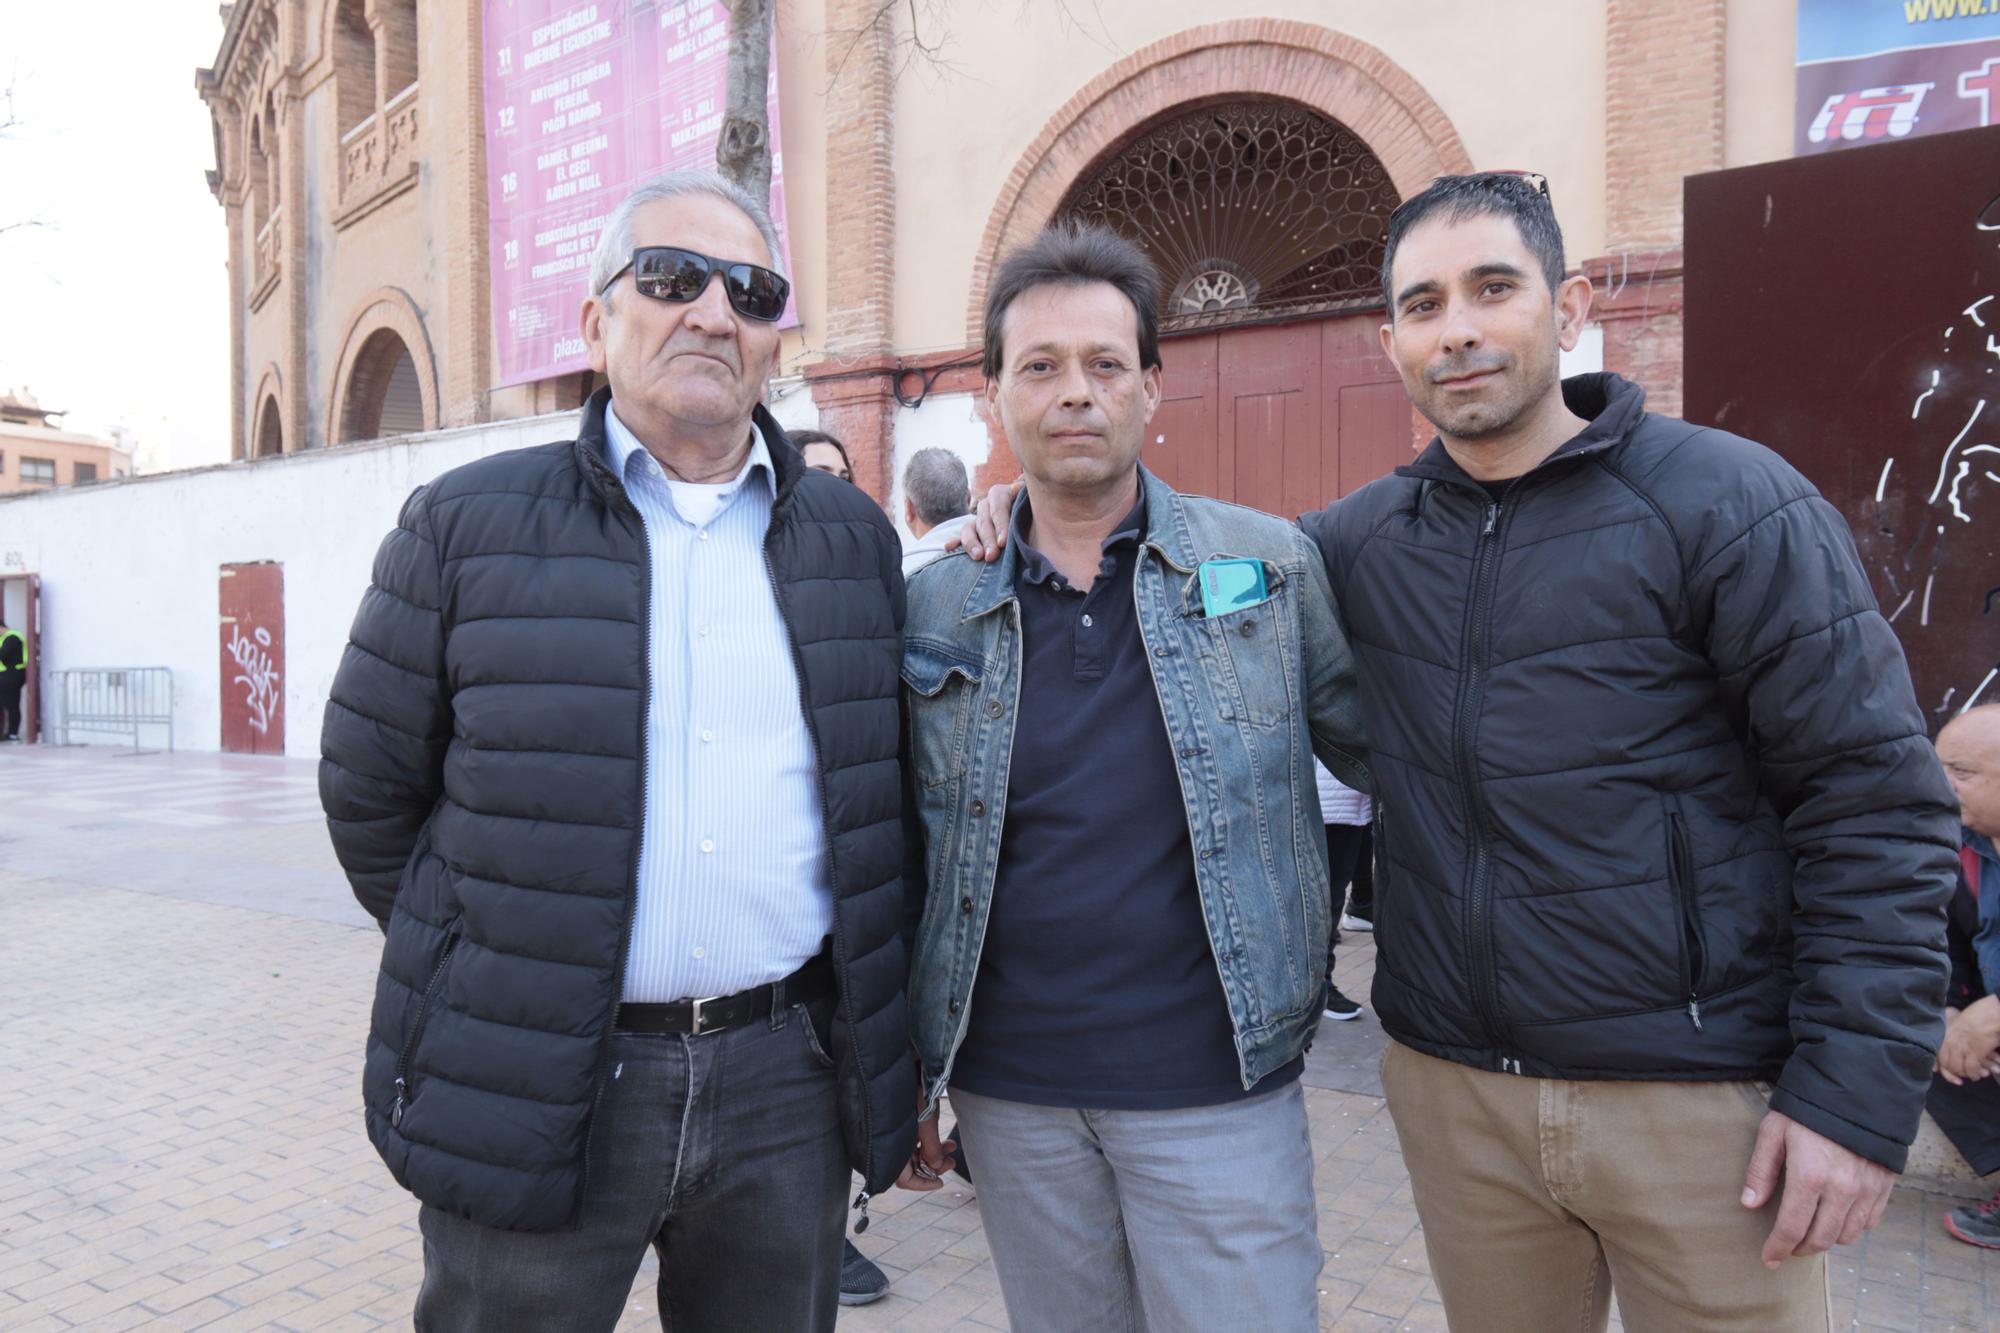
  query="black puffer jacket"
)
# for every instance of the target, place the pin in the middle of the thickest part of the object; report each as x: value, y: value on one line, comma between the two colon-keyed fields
x: 486, y: 716
x: 1656, y: 798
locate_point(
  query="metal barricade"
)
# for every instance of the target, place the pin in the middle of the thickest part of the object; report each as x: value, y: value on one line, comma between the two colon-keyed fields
x: 115, y: 700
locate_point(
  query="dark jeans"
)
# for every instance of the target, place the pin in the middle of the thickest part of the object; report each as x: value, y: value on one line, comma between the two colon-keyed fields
x: 1344, y: 843
x: 11, y: 685
x: 723, y: 1152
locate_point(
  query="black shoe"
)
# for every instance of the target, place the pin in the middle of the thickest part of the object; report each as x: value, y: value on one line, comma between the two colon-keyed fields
x: 1338, y: 1007
x: 861, y: 1282
x: 1976, y: 1223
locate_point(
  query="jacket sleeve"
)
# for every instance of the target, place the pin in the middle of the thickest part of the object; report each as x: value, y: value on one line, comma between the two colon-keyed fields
x: 388, y: 716
x: 1333, y: 700
x: 1816, y: 685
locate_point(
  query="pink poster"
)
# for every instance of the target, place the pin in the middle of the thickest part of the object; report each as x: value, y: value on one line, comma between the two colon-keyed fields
x: 583, y: 102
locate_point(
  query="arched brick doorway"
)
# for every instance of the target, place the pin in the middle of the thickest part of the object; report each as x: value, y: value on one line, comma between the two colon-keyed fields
x: 1267, y: 222
x: 1284, y: 407
x: 386, y: 382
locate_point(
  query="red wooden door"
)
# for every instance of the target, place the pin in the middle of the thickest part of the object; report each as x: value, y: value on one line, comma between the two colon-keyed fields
x: 1180, y: 444
x: 252, y: 602
x: 1284, y: 417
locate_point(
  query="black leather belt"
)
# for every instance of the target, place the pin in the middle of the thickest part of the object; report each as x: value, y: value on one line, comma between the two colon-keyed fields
x: 694, y: 1017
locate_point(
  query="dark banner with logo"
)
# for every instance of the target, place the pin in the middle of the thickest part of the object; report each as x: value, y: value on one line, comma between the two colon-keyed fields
x: 1872, y: 71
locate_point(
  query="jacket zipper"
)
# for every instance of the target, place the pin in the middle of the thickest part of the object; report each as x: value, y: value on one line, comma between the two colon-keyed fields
x: 844, y: 996
x: 1478, y: 922
x: 972, y: 980
x: 638, y: 843
x: 417, y: 1029
x: 1694, y: 954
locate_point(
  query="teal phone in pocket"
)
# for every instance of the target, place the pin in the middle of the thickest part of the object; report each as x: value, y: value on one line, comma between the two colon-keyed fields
x: 1231, y: 585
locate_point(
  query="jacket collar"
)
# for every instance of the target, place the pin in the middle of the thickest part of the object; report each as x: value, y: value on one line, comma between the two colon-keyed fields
x: 1611, y: 404
x: 787, y: 464
x: 1166, y: 533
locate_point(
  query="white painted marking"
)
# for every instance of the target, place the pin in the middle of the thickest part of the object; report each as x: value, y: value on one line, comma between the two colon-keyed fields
x: 1925, y: 394
x: 1981, y: 690
x: 1953, y: 447
x: 1883, y: 480
x: 1924, y: 615
x: 1902, y: 606
x: 1973, y: 310
x: 1963, y: 469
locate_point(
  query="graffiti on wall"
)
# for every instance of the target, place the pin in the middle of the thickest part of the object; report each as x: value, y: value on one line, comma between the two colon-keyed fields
x: 256, y: 675
x: 251, y: 602
x: 1845, y: 310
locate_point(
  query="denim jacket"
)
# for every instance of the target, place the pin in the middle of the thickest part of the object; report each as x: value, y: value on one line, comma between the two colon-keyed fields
x: 1248, y: 697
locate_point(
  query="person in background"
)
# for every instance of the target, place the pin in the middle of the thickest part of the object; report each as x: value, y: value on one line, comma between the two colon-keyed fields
x: 823, y: 453
x: 1346, y: 813
x: 1359, y: 914
x: 1964, y: 1099
x: 13, y: 680
x: 937, y: 501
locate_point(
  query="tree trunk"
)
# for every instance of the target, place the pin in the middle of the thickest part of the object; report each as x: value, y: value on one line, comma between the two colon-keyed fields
x: 743, y: 152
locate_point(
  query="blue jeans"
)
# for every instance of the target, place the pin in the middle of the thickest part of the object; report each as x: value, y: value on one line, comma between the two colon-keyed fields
x: 1149, y: 1221
x: 722, y: 1152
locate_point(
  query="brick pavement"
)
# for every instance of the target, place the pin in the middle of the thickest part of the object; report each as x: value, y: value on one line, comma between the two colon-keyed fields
x: 186, y: 991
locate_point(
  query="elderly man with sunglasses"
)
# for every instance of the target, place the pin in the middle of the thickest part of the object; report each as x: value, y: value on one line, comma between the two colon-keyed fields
x: 626, y: 799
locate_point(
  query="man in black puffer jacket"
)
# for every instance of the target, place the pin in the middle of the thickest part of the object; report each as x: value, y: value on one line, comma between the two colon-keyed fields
x: 1660, y: 836
x: 614, y: 756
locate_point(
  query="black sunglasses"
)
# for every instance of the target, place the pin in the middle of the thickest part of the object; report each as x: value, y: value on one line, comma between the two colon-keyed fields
x: 669, y: 273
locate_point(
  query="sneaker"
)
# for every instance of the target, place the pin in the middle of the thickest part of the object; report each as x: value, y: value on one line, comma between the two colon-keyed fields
x: 1976, y: 1223
x: 1349, y: 921
x: 861, y: 1282
x: 1338, y: 1007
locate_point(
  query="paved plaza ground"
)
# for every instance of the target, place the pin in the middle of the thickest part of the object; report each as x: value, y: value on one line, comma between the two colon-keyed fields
x: 186, y: 986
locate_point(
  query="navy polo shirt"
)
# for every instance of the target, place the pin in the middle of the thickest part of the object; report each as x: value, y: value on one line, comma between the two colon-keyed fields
x: 1097, y: 984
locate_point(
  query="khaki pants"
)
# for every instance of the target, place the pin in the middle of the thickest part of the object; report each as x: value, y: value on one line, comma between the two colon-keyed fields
x: 1538, y: 1196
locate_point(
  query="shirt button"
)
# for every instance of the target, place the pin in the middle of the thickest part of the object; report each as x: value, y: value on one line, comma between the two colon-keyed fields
x: 953, y: 1006
x: 707, y: 735
x: 1205, y: 853
x: 965, y: 904
x: 1249, y: 628
x: 700, y: 952
x: 1087, y: 621
x: 708, y: 845
x: 994, y: 708
x: 702, y: 536
x: 703, y: 631
x: 978, y: 809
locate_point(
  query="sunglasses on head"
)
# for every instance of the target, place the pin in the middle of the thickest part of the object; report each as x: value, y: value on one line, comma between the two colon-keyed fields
x: 1534, y: 178
x: 669, y: 273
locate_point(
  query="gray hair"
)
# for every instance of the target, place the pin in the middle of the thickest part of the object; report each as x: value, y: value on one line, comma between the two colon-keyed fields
x: 936, y: 484
x: 614, y: 243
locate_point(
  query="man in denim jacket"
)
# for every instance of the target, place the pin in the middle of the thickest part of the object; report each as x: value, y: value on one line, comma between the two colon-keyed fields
x: 1122, y: 951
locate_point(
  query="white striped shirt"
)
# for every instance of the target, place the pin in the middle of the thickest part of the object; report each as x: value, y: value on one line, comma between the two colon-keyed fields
x: 733, y: 888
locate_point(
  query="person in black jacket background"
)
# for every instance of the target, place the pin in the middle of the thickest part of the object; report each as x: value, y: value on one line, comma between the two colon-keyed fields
x: 614, y: 756
x: 1664, y: 851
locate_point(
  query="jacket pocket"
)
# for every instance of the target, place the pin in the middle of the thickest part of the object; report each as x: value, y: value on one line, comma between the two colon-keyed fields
x: 940, y: 709
x: 431, y: 990
x: 1255, y: 645
x: 1687, y: 901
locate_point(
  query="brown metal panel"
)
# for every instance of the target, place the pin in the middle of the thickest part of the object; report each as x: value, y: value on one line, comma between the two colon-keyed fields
x: 1268, y: 426
x: 252, y: 602
x: 1845, y: 310
x: 1370, y: 423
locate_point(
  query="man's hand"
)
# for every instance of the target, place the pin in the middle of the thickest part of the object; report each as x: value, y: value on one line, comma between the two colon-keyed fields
x: 929, y: 1162
x: 1831, y: 1194
x: 1971, y: 1049
x: 987, y: 533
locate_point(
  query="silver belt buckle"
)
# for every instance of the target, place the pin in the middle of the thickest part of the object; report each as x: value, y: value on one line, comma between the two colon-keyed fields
x: 699, y: 1022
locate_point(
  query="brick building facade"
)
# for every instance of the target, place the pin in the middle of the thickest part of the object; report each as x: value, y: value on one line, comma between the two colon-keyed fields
x: 350, y: 167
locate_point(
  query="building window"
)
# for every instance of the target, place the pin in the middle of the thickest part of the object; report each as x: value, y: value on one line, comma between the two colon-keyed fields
x: 38, y: 471
x: 270, y: 430
x: 396, y: 46
x: 353, y: 65
x: 83, y: 473
x: 383, y: 395
x: 1251, y: 210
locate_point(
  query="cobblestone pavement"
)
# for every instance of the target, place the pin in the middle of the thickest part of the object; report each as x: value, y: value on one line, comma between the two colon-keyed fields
x: 186, y: 986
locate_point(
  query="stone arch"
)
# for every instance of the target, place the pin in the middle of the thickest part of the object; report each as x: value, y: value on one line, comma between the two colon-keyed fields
x: 267, y: 430
x: 368, y: 363
x: 1342, y: 78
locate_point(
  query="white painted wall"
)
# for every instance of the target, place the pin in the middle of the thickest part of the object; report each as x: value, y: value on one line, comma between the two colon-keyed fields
x: 129, y: 570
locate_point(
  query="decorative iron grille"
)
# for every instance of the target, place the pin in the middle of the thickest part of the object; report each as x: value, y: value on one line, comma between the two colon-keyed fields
x: 1251, y: 210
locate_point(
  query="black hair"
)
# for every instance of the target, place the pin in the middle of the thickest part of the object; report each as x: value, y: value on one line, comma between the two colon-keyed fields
x: 1507, y: 194
x: 801, y: 438
x: 1072, y: 254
